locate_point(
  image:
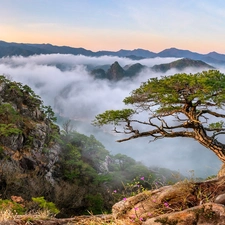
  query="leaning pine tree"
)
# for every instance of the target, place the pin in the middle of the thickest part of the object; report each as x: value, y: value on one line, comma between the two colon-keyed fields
x: 181, y: 105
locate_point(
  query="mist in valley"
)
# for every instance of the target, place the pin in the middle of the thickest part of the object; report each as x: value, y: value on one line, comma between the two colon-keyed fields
x: 65, y: 83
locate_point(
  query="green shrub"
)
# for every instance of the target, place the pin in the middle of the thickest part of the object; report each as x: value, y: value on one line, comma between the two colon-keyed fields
x: 43, y: 204
x: 8, y: 129
x: 95, y: 203
x: 12, y: 206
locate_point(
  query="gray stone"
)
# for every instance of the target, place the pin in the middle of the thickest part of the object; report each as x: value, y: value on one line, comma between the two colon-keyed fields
x: 206, y: 214
x: 220, y: 199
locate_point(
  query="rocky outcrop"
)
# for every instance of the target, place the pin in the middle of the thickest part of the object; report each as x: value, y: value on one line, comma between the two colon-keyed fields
x: 26, y: 131
x: 115, y: 72
x: 207, y: 214
x: 28, y: 150
x: 181, y: 204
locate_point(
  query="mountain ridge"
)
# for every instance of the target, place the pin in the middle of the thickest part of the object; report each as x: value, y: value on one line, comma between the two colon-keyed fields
x: 25, y: 49
x: 116, y: 72
x: 181, y: 64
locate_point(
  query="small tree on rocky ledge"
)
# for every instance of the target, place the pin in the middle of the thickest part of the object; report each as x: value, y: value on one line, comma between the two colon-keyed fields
x: 181, y: 105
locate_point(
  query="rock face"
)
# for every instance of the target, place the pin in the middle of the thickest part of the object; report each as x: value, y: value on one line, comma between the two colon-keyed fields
x: 181, y: 204
x: 26, y: 134
x: 115, y: 72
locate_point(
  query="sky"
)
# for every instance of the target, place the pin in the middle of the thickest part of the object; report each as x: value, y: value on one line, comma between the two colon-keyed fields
x: 116, y: 24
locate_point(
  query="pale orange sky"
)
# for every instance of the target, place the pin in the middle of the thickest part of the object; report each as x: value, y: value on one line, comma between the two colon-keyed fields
x: 116, y: 24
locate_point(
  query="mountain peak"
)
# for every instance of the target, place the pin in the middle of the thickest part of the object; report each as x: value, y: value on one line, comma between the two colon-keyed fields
x: 181, y: 64
x: 115, y: 72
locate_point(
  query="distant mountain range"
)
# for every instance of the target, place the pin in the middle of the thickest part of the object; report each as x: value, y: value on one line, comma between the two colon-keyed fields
x: 11, y: 49
x: 115, y: 72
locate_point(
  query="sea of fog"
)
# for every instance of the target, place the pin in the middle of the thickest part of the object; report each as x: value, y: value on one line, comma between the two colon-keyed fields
x: 74, y: 93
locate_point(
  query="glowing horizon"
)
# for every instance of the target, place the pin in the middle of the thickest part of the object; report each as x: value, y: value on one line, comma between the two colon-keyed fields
x: 113, y: 25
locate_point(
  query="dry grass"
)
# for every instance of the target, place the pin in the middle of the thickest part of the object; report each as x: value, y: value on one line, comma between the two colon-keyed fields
x: 43, y: 214
x: 6, y: 215
x: 45, y: 217
x: 94, y: 220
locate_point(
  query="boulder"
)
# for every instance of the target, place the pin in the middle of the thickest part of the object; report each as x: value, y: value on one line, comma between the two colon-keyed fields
x: 220, y: 199
x: 206, y: 214
x: 152, y: 203
x: 179, y: 204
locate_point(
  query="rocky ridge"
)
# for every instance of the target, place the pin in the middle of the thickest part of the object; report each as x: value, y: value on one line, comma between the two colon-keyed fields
x: 116, y: 72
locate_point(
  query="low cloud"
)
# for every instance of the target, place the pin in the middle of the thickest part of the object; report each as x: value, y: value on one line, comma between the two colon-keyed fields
x: 67, y: 59
x: 75, y: 94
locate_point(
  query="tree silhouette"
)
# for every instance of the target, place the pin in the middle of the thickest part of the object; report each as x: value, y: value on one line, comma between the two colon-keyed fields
x: 181, y: 105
